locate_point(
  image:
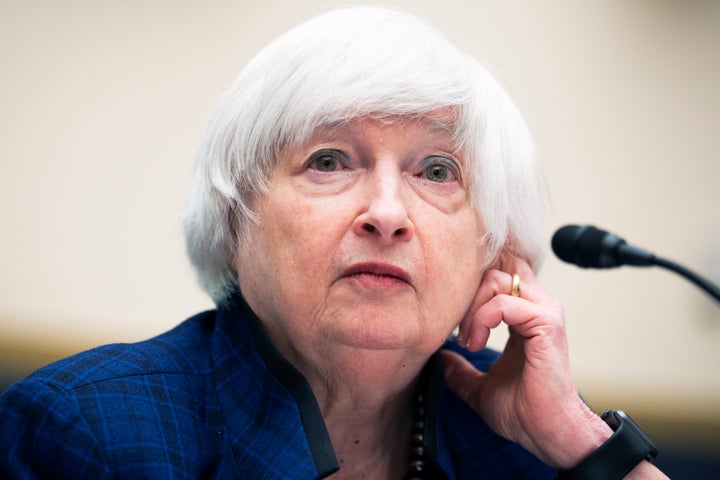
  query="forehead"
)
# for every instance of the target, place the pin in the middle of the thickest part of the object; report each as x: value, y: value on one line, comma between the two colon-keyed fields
x: 439, y: 123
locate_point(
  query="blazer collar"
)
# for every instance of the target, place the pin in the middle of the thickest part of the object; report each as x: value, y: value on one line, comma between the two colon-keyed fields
x: 272, y: 418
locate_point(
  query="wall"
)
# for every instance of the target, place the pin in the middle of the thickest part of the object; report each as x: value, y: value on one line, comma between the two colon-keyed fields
x: 104, y: 103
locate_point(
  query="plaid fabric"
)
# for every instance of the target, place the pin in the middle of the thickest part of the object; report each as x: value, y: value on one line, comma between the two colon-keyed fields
x: 201, y: 402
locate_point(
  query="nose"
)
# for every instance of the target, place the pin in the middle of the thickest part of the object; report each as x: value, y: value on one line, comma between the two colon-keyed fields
x: 385, y: 216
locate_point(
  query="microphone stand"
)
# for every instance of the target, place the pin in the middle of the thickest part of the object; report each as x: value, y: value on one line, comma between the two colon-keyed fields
x: 590, y: 247
x: 693, y: 277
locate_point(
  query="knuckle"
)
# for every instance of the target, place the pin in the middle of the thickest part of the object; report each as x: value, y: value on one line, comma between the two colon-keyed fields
x: 502, y: 301
x: 494, y: 278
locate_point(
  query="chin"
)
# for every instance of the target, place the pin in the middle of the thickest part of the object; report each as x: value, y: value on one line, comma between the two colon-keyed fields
x: 383, y: 333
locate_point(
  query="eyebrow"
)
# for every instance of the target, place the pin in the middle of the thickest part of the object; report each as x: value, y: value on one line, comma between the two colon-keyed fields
x: 446, y: 124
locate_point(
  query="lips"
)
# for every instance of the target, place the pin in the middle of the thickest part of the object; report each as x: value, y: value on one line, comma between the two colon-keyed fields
x: 376, y: 273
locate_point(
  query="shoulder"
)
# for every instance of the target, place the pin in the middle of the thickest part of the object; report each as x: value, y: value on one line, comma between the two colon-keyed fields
x: 153, y: 379
x: 84, y: 413
x: 182, y: 350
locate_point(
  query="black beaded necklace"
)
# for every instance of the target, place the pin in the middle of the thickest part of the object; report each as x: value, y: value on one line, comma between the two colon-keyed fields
x: 421, y: 466
x: 417, y: 446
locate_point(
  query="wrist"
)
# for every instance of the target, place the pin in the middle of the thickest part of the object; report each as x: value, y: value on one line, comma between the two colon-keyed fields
x: 618, y: 455
x: 583, y: 434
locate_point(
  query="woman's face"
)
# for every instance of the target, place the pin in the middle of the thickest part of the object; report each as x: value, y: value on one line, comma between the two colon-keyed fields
x: 366, y: 239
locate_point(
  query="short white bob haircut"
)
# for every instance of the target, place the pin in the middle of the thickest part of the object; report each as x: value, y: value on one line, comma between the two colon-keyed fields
x: 328, y: 70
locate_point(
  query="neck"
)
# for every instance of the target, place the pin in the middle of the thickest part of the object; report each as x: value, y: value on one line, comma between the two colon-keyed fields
x: 371, y: 441
x: 369, y: 419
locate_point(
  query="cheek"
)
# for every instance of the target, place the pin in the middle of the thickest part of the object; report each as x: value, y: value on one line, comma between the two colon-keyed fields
x: 298, y: 216
x: 284, y: 264
x: 460, y: 263
x: 457, y: 240
x: 302, y: 236
x: 454, y: 261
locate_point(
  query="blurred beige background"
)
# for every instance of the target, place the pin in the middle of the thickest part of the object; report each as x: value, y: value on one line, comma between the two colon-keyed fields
x: 104, y: 103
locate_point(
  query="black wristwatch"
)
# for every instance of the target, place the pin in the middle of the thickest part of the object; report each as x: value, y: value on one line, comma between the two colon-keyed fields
x: 623, y: 451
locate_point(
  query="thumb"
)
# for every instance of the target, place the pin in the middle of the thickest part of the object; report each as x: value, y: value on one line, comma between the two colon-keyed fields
x: 462, y: 377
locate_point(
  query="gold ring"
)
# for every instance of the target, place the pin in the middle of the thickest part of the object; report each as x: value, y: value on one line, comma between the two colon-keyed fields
x: 515, y: 289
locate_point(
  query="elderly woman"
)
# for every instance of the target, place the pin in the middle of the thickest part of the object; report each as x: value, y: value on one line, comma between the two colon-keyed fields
x: 364, y: 189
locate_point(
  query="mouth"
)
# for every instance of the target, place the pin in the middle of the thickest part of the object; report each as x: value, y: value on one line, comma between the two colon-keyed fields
x: 375, y: 274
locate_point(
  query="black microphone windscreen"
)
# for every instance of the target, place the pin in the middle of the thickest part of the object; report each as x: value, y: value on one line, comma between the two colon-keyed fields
x: 586, y: 246
x: 565, y: 240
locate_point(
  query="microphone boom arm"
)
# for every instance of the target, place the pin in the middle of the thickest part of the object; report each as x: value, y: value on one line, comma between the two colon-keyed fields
x: 693, y: 277
x: 590, y: 247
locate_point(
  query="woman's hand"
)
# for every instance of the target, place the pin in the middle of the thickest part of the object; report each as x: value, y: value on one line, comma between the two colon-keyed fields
x: 528, y: 396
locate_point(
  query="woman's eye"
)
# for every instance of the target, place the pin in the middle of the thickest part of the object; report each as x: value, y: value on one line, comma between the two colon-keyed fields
x: 326, y: 161
x: 439, y: 169
x: 437, y: 173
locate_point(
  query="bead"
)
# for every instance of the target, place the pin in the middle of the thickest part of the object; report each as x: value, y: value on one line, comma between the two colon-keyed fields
x: 417, y: 463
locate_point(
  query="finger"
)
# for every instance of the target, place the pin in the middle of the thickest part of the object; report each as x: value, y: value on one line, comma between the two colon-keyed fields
x: 474, y: 329
x: 527, y: 319
x: 461, y: 376
x: 501, y: 283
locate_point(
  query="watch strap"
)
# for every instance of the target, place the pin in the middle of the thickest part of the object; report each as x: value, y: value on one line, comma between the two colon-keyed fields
x: 618, y: 456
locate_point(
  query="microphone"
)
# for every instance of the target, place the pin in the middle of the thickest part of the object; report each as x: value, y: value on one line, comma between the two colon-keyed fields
x: 590, y: 247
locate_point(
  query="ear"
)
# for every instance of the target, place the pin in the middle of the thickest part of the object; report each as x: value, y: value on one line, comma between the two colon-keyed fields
x: 506, y: 260
x: 510, y: 259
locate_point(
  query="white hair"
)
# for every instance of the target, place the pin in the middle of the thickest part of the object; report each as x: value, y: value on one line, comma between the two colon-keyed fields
x: 328, y: 70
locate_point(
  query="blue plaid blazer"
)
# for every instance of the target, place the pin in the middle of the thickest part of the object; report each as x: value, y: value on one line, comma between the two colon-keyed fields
x: 211, y: 399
